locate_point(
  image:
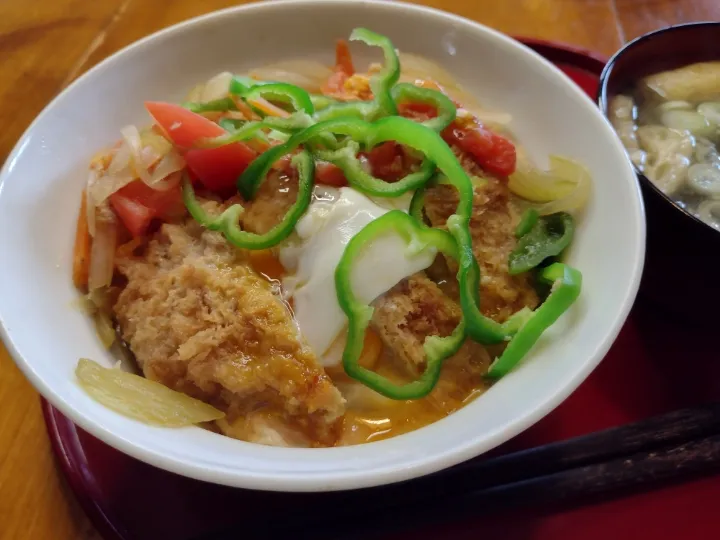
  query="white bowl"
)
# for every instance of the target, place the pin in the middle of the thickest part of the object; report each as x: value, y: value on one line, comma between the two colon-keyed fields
x: 40, y: 188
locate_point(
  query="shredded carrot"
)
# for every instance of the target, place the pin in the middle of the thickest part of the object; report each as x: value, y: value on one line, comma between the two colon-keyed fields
x: 343, y: 58
x: 268, y: 108
x: 81, y: 252
x: 372, y: 348
x: 245, y: 109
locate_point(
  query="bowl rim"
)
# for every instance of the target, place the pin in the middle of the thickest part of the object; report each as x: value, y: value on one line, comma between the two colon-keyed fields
x: 603, y: 104
x: 350, y: 479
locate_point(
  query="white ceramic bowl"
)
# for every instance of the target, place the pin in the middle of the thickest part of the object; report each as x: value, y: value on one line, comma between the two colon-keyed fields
x: 40, y: 187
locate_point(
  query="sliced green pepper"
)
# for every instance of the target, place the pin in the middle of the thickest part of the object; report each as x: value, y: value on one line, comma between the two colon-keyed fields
x: 216, y: 105
x: 446, y: 110
x: 548, y: 237
x: 322, y: 102
x: 347, y: 160
x: 360, y: 132
x: 247, y: 130
x: 527, y: 222
x: 359, y: 314
x: 381, y: 84
x: 227, y: 222
x: 388, y: 76
x: 231, y: 124
x: 296, y: 97
x: 566, y: 284
x: 431, y: 145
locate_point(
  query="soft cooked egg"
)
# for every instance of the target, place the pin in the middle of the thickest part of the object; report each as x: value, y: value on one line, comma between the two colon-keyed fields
x: 323, y: 233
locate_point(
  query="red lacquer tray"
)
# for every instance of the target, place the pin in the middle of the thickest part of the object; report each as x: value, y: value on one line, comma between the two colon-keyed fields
x: 656, y: 365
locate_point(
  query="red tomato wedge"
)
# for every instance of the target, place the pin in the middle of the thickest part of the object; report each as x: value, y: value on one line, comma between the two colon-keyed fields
x: 216, y: 168
x: 491, y: 151
x: 137, y: 205
x: 386, y: 161
x: 329, y: 174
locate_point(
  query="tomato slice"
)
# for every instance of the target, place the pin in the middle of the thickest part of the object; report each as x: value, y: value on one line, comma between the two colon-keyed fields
x: 416, y: 111
x: 386, y: 161
x: 491, y: 151
x: 329, y: 174
x: 135, y: 216
x: 137, y: 205
x: 182, y: 126
x: 216, y: 168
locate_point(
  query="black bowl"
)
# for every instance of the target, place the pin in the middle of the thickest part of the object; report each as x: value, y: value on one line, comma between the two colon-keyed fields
x: 681, y: 264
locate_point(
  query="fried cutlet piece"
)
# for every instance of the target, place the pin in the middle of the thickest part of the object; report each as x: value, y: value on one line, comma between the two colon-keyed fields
x: 492, y: 227
x: 417, y: 308
x: 201, y: 321
x: 271, y: 202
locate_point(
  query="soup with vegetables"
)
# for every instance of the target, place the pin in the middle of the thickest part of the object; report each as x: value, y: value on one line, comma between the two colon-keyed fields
x: 670, y: 126
x: 315, y: 256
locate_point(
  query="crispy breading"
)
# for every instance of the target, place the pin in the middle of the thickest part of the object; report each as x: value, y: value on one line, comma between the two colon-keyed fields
x: 271, y: 202
x: 415, y: 309
x: 201, y: 321
x: 492, y: 228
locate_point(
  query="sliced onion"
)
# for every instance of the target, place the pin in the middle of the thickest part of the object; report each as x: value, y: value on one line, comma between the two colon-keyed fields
x: 704, y: 179
x: 709, y: 212
x: 149, y: 138
x: 138, y: 166
x: 141, y: 398
x: 107, y: 185
x: 102, y: 252
x: 164, y: 176
x: 690, y: 121
x: 308, y: 74
x: 120, y: 160
x: 104, y: 328
x: 217, y: 87
x: 564, y: 187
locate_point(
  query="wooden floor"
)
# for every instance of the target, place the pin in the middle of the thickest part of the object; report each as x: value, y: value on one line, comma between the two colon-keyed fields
x: 45, y: 44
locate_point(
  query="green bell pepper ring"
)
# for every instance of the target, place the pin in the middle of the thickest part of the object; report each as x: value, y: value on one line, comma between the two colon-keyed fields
x: 446, y: 110
x: 227, y: 222
x: 231, y: 124
x: 359, y: 314
x: 549, y: 236
x: 527, y: 222
x: 247, y: 130
x: 322, y: 102
x: 381, y: 84
x: 347, y: 160
x: 431, y: 145
x: 295, y: 96
x: 360, y: 132
x: 388, y: 76
x: 216, y: 105
x: 566, y: 284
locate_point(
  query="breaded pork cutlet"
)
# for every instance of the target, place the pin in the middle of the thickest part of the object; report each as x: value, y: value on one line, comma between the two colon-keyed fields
x: 201, y: 321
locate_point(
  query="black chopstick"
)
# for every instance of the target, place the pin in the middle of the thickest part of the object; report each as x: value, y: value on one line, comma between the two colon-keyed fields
x: 673, y: 447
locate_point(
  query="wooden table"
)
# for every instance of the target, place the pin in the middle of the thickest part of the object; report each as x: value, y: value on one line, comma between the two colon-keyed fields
x: 45, y: 44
